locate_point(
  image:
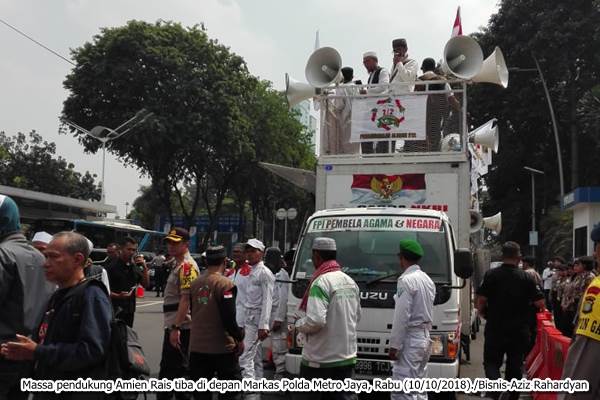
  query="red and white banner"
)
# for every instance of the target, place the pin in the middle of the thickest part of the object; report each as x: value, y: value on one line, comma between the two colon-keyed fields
x: 377, y: 119
x: 398, y: 190
x: 457, y: 28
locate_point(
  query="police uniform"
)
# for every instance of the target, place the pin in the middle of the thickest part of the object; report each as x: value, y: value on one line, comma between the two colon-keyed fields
x: 257, y: 310
x: 174, y: 362
x: 582, y: 360
x: 214, y: 331
x: 413, y: 315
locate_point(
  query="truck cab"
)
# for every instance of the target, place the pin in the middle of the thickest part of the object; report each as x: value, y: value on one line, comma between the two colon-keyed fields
x: 367, y: 241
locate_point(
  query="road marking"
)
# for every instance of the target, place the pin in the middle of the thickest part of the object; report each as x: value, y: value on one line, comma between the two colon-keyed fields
x: 146, y: 304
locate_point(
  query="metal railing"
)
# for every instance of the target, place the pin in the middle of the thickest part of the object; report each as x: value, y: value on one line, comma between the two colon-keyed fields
x: 425, y: 117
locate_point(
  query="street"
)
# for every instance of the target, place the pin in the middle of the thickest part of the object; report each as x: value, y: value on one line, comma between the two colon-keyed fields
x: 148, y: 324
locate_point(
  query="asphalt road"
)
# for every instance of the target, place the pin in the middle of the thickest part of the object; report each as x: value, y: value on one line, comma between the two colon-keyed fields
x: 148, y: 324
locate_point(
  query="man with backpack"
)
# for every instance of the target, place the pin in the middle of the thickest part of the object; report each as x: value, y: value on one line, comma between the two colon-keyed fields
x: 74, y: 336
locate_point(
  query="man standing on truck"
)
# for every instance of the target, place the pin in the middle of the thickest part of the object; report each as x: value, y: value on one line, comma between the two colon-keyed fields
x: 410, y: 345
x: 504, y: 299
x: 332, y: 306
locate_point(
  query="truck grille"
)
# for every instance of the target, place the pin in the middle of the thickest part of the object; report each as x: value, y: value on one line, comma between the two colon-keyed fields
x: 368, y: 345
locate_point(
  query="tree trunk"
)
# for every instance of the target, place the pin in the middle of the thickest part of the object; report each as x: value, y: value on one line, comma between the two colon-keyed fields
x: 574, y: 137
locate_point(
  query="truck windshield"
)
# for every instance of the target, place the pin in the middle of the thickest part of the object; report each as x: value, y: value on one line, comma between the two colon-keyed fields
x: 369, y: 254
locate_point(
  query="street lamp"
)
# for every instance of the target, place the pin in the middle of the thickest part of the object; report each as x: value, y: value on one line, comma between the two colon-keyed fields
x: 284, y: 214
x: 105, y: 135
x: 553, y: 119
x: 533, y: 238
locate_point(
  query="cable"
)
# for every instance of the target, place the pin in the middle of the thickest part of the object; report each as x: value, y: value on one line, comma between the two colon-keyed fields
x: 36, y: 42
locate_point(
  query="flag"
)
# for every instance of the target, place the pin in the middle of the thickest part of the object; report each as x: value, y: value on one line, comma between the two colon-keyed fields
x: 405, y: 190
x: 457, y: 28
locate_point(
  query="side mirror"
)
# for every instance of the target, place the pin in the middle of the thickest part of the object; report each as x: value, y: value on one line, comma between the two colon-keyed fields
x: 463, y: 263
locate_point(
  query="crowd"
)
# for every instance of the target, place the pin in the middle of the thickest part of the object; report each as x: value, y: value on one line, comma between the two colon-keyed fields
x: 443, y: 109
x: 58, y: 309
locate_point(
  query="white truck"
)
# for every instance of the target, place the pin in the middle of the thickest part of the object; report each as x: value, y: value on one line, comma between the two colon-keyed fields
x: 368, y: 203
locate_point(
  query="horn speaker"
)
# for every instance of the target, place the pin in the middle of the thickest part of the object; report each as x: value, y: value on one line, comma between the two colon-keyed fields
x: 323, y: 67
x: 494, y: 70
x: 462, y: 58
x: 296, y: 92
x: 494, y: 222
x: 486, y: 135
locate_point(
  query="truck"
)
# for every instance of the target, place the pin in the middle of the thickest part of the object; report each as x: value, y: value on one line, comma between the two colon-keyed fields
x: 368, y: 202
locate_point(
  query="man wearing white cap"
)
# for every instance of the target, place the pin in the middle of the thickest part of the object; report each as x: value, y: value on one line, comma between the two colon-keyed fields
x: 332, y: 306
x: 40, y: 241
x: 257, y: 310
x: 377, y: 75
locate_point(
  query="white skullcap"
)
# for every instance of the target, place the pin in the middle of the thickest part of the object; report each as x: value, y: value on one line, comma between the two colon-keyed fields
x: 43, y: 237
x: 370, y: 54
x: 255, y: 243
x: 324, y: 243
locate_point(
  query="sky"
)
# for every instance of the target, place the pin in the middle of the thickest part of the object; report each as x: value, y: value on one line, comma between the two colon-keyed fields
x: 273, y: 36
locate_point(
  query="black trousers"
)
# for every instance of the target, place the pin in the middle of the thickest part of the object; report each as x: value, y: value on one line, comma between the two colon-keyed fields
x: 222, y: 366
x: 336, y: 373
x: 174, y: 364
x: 501, y: 342
x: 127, y: 317
x: 11, y: 373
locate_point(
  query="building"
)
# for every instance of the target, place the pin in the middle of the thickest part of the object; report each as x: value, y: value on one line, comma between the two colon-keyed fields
x: 308, y: 117
x: 585, y: 203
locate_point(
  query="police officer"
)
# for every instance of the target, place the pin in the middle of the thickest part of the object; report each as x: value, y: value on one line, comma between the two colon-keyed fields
x: 257, y: 309
x: 504, y: 299
x: 410, y: 345
x: 215, y: 338
x: 176, y: 308
x: 582, y: 360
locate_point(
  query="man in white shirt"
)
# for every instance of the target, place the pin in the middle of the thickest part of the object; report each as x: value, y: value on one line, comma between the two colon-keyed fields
x: 405, y: 69
x: 547, y: 275
x: 332, y: 306
x: 257, y: 310
x: 377, y: 75
x: 410, y: 345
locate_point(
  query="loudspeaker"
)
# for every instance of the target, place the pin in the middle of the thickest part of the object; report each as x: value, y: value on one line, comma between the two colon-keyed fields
x: 486, y: 135
x: 476, y: 221
x: 462, y: 58
x: 295, y: 91
x: 323, y: 67
x: 494, y: 69
x: 494, y: 222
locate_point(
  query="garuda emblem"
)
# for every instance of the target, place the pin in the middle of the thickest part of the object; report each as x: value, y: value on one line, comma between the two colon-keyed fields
x: 386, y: 188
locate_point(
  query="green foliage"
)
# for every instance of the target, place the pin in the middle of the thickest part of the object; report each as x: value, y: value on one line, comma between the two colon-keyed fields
x: 29, y: 162
x: 564, y: 36
x: 212, y: 121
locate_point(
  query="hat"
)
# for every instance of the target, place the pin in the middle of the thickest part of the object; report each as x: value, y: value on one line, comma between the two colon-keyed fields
x: 43, y: 237
x: 371, y: 54
x: 177, y: 235
x: 9, y: 216
x: 428, y: 64
x: 215, y: 252
x: 256, y: 244
x: 396, y: 43
x: 324, y: 243
x: 411, y: 246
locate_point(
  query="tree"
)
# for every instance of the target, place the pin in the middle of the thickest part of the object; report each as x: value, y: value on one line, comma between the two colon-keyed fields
x: 29, y: 162
x: 552, y: 32
x: 209, y: 117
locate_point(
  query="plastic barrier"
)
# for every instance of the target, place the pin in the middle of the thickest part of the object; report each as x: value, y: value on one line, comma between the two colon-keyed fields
x: 547, y: 358
x: 139, y: 292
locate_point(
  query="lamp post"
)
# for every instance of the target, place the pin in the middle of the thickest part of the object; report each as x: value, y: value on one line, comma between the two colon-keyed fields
x: 105, y: 135
x: 533, y: 234
x: 283, y: 214
x: 553, y: 119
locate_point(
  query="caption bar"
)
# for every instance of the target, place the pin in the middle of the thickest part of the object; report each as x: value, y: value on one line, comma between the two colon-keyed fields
x: 436, y: 385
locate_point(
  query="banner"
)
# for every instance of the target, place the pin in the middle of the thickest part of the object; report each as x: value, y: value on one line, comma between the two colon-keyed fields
x: 404, y: 189
x: 377, y: 119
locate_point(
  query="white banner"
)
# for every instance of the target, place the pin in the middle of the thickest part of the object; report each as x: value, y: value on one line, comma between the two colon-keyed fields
x: 376, y: 119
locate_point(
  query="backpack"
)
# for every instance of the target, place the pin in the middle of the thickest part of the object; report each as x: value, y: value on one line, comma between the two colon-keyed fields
x: 125, y: 357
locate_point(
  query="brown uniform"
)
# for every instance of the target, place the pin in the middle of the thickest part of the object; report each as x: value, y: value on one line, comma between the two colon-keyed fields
x: 214, y: 332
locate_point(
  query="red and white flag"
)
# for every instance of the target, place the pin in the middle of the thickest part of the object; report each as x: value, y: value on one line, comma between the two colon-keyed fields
x: 406, y: 189
x: 457, y: 28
